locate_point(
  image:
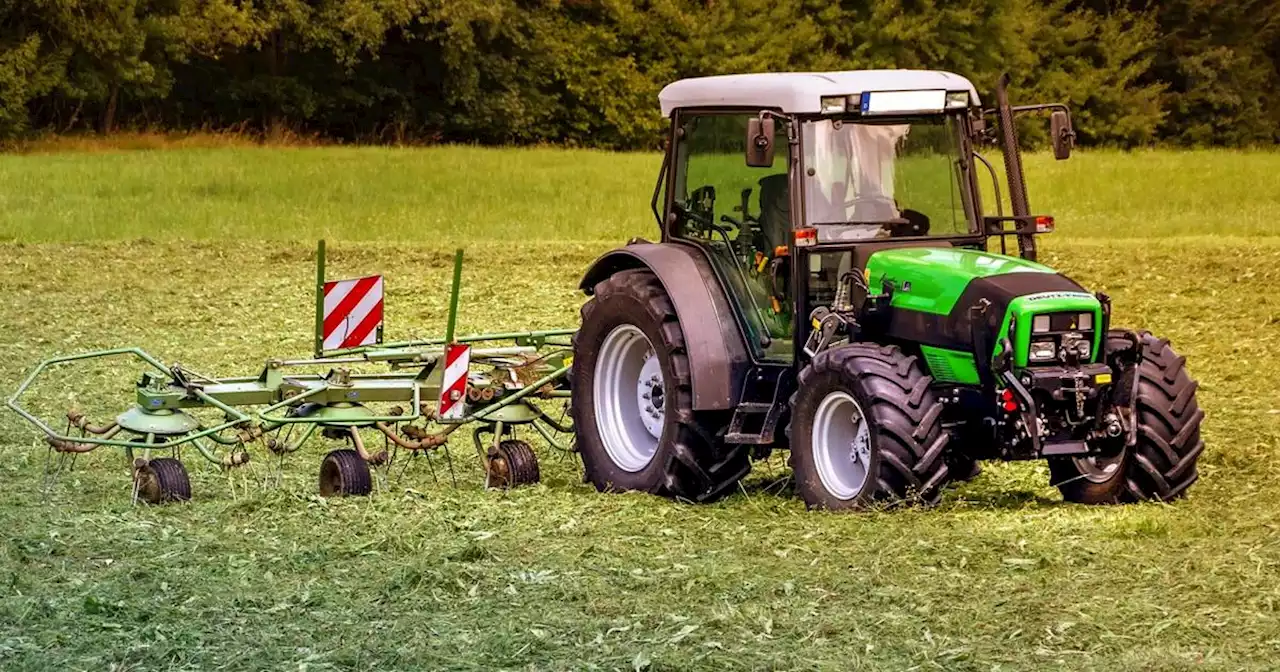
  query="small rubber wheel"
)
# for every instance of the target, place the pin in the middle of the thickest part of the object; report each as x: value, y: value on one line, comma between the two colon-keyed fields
x: 161, y: 481
x: 344, y: 473
x: 513, y: 464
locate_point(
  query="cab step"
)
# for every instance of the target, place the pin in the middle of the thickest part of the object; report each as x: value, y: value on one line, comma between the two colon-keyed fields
x: 755, y: 422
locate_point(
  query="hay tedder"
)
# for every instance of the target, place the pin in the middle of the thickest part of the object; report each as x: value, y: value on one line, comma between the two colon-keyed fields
x: 409, y: 396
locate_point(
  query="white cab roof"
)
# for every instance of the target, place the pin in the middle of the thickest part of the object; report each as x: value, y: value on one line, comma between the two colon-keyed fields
x: 800, y: 92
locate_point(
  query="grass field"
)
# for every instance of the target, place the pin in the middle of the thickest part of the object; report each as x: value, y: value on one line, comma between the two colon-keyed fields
x: 203, y: 255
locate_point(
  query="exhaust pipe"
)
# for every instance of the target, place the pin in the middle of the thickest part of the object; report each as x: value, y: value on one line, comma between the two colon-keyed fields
x: 1013, y: 166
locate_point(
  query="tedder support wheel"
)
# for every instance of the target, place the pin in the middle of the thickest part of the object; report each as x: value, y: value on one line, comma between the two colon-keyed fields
x: 866, y: 428
x: 512, y: 464
x: 633, y: 398
x: 344, y: 472
x: 1162, y: 464
x: 161, y: 481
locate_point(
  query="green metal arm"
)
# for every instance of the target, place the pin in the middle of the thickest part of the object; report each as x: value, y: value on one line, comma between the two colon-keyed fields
x: 518, y: 336
x: 264, y: 414
x: 235, y: 417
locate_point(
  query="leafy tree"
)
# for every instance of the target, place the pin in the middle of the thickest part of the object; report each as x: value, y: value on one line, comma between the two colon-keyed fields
x: 588, y: 72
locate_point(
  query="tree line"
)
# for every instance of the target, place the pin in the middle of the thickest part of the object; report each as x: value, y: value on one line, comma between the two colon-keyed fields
x: 587, y: 72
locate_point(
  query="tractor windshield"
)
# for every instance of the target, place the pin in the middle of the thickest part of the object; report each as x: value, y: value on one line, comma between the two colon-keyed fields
x: 880, y: 179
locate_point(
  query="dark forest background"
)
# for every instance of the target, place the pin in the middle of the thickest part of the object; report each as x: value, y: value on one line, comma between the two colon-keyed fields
x: 587, y: 72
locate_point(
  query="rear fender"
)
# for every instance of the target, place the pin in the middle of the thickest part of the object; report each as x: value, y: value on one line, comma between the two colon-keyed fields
x: 717, y: 350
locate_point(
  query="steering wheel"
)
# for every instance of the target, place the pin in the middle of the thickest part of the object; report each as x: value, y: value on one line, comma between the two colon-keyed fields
x: 692, y: 215
x: 875, y: 201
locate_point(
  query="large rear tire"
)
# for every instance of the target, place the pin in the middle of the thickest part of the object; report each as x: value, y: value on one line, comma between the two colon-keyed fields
x: 1162, y: 464
x: 633, y: 398
x: 866, y: 428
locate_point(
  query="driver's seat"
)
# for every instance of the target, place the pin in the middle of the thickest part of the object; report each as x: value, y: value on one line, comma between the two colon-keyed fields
x: 775, y: 211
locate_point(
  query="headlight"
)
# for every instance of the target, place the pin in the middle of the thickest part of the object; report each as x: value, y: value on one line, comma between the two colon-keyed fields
x: 1043, y: 351
x: 1085, y: 321
x: 1040, y: 324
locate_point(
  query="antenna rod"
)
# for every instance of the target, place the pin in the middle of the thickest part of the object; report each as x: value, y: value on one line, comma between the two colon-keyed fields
x: 319, y: 345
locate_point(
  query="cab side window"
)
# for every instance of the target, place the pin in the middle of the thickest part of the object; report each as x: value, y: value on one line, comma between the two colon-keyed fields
x: 741, y: 215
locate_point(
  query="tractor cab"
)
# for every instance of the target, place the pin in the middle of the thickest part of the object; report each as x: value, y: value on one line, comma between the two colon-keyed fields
x: 845, y: 163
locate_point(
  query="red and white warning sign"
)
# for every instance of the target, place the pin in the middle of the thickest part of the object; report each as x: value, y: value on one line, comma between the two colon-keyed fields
x: 453, y: 386
x: 352, y: 312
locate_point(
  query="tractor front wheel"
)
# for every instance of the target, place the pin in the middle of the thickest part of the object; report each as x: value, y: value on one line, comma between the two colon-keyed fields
x: 1162, y: 464
x: 866, y: 428
x: 633, y: 398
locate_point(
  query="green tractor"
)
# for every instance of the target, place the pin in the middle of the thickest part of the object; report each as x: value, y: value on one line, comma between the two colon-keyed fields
x: 826, y: 283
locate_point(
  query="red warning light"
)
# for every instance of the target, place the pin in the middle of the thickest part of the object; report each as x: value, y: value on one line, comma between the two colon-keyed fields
x: 1007, y: 402
x: 1044, y: 224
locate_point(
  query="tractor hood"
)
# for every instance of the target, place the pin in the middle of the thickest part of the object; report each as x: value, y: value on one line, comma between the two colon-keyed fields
x: 934, y: 289
x: 931, y: 279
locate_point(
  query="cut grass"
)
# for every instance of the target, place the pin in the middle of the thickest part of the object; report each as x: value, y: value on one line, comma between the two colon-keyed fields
x: 1002, y: 575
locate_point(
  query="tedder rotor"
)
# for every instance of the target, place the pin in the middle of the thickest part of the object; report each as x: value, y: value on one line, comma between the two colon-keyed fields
x: 412, y: 395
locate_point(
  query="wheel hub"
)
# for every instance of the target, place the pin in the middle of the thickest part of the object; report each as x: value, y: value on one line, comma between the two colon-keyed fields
x: 1099, y: 468
x: 649, y: 395
x: 841, y: 445
x: 629, y: 397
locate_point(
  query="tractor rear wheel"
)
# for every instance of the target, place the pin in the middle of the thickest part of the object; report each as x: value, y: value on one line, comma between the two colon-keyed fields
x: 344, y: 472
x: 633, y: 398
x: 1162, y: 465
x: 866, y: 428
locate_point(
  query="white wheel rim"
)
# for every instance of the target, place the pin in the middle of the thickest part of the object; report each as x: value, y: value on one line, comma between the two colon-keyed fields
x: 1098, y: 469
x: 841, y: 445
x: 630, y: 398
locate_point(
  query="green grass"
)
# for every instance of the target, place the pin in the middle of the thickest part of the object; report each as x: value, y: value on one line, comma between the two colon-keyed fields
x: 150, y: 249
x: 373, y: 194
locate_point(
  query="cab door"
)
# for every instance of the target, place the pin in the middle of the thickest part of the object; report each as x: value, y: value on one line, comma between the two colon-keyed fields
x: 741, y: 216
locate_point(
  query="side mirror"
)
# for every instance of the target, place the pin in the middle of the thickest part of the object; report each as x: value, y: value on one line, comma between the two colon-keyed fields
x: 1064, y: 138
x: 760, y: 142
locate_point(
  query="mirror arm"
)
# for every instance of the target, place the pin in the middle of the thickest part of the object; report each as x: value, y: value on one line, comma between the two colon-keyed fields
x: 1040, y: 107
x: 995, y: 182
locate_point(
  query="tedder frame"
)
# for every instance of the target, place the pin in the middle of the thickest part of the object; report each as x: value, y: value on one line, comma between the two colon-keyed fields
x: 493, y: 382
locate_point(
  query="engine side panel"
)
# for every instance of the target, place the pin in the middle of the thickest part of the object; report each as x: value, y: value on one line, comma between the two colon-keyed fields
x: 950, y: 366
